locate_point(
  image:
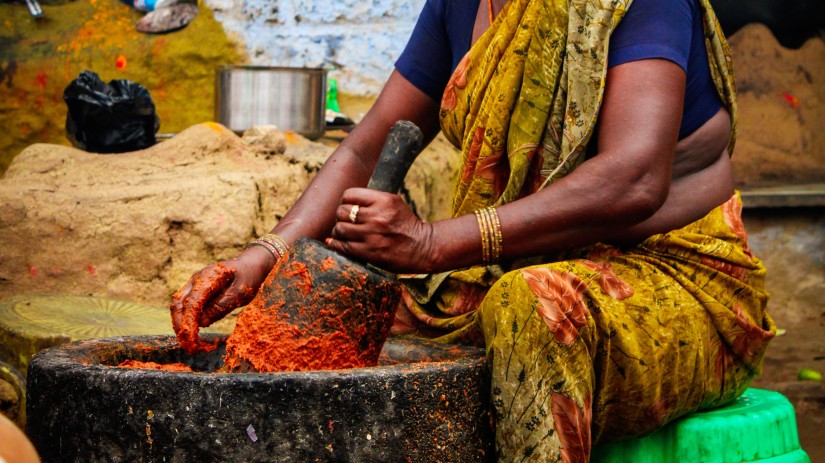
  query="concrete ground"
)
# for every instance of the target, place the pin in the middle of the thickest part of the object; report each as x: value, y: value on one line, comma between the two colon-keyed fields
x: 791, y: 242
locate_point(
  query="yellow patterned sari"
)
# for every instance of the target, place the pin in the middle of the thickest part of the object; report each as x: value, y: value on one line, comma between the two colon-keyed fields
x: 604, y: 342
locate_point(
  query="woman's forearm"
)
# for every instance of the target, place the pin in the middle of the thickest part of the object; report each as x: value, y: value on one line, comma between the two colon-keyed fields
x: 622, y: 186
x: 580, y: 209
x: 352, y: 163
x: 313, y: 214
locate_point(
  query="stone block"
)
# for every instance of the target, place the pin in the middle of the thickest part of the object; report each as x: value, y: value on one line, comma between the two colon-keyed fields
x: 135, y: 226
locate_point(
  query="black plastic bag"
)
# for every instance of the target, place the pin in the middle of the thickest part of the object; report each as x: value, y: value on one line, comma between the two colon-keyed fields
x: 109, y: 118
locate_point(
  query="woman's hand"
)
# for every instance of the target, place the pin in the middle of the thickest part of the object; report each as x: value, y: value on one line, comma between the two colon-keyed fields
x: 213, y: 292
x: 385, y: 232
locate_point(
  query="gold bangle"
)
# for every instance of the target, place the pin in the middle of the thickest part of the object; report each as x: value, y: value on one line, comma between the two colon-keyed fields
x: 276, y: 241
x: 485, y: 236
x: 481, y: 234
x: 489, y: 227
x: 497, y: 240
x: 272, y: 243
x: 488, y: 224
x: 266, y: 246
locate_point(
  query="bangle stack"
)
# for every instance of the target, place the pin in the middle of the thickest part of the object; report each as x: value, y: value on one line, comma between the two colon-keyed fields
x: 490, y: 228
x: 272, y: 243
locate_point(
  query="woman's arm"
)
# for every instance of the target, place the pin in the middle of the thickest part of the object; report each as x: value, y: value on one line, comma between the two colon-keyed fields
x: 219, y: 288
x: 352, y: 163
x: 625, y: 184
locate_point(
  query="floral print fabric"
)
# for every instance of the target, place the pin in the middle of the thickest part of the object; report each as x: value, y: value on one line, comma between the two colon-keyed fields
x: 604, y: 342
x: 611, y: 342
x: 621, y: 341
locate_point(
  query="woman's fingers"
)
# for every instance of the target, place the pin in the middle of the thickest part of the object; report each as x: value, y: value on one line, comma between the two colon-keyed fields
x: 230, y: 300
x: 362, y: 196
x: 177, y: 308
x: 344, y: 247
x: 208, y: 289
x: 352, y: 214
x: 379, y: 228
x: 209, y: 283
x: 345, y: 230
x: 189, y: 303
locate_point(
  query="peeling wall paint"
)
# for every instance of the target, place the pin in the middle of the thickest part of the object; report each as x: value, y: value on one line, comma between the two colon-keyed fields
x: 358, y: 41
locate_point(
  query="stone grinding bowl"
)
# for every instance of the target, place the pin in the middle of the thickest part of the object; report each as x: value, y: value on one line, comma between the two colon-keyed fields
x: 424, y: 402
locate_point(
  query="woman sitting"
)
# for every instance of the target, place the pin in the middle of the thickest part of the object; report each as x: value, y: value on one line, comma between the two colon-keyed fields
x: 596, y: 247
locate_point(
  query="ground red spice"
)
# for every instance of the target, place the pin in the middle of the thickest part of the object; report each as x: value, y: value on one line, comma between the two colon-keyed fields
x: 328, y: 264
x: 307, y: 319
x: 292, y: 350
x: 177, y: 367
x: 315, y: 312
x: 303, y: 280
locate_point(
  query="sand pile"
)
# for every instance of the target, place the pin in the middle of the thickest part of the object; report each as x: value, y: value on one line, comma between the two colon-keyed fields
x: 781, y: 94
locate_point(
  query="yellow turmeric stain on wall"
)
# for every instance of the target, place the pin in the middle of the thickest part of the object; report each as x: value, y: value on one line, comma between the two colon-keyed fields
x: 39, y: 58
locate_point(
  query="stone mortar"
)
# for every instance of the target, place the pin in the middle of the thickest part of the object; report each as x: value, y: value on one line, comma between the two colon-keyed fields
x: 425, y: 402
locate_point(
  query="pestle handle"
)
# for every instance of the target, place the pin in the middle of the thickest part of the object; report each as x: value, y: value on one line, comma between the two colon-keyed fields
x: 400, y: 150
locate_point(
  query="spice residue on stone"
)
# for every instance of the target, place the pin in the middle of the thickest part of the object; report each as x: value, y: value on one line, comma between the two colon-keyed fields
x: 316, y: 312
x: 176, y: 367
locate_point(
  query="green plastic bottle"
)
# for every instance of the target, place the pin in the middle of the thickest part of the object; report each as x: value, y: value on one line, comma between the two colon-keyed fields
x: 332, y: 96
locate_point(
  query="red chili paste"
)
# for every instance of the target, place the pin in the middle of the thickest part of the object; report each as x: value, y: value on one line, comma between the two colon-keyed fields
x: 328, y: 263
x: 299, y: 323
x: 313, y: 314
x: 155, y: 366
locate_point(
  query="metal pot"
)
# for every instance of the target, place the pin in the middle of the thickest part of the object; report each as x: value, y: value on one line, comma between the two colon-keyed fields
x: 291, y: 98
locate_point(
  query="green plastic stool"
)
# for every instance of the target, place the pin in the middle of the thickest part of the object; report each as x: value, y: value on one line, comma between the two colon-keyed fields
x: 760, y: 426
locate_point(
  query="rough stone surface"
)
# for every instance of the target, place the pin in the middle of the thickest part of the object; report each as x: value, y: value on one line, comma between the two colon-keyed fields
x: 426, y: 402
x: 135, y: 226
